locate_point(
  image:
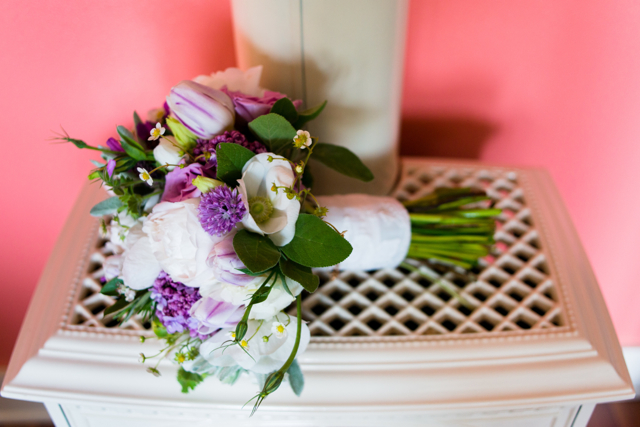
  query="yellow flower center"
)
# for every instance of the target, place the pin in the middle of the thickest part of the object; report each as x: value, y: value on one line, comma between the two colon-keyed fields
x: 280, y: 329
x: 145, y: 176
x: 244, y: 343
x: 233, y: 335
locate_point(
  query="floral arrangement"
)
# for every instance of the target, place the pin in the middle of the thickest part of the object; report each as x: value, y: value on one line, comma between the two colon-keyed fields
x: 215, y: 229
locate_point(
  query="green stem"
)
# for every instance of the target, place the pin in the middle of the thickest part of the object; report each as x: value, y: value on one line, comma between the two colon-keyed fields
x: 294, y: 352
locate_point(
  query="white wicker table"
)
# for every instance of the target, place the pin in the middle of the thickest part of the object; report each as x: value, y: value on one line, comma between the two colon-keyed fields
x: 388, y: 347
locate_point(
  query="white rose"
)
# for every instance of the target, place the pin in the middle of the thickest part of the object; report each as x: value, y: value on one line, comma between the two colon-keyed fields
x: 271, y: 213
x: 264, y: 357
x: 179, y: 242
x: 236, y: 80
x: 168, y: 151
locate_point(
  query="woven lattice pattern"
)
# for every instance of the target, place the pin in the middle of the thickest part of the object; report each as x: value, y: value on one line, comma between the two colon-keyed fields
x: 510, y: 290
x: 90, y: 303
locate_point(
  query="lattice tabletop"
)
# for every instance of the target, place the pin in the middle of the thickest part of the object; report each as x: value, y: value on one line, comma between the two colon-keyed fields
x: 511, y: 290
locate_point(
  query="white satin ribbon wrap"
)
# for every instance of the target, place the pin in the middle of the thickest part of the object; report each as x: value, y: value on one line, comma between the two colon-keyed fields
x: 378, y: 228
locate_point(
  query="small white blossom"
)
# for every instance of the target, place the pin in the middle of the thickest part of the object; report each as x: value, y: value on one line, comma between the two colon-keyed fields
x: 129, y: 294
x: 145, y: 176
x: 156, y: 132
x: 302, y: 139
x: 279, y: 330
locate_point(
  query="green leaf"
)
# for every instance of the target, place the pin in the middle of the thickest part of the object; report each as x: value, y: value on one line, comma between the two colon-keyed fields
x: 308, y: 115
x: 341, y: 160
x: 111, y: 287
x: 250, y: 273
x: 136, y: 119
x: 315, y: 244
x: 130, y: 145
x: 286, y: 109
x: 257, y: 253
x: 296, y: 379
x: 188, y: 380
x: 300, y: 274
x: 106, y: 207
x: 231, y: 159
x: 261, y: 294
x: 119, y: 305
x: 274, y: 131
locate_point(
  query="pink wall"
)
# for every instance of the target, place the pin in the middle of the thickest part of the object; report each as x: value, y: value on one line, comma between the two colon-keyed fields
x: 547, y: 83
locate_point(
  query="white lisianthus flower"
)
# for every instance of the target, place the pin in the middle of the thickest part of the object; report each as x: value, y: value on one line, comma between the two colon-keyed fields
x: 168, y: 151
x: 271, y: 213
x: 265, y: 355
x: 173, y: 241
x: 236, y: 80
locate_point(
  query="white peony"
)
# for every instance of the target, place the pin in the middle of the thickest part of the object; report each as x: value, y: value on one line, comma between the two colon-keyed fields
x: 173, y: 241
x: 236, y: 80
x: 271, y: 213
x: 264, y: 356
x: 168, y: 151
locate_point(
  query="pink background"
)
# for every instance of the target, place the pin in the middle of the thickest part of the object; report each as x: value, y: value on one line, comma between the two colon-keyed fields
x: 548, y: 83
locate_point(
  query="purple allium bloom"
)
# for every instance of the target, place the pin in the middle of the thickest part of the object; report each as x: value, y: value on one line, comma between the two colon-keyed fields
x: 173, y: 302
x: 220, y: 210
x: 114, y: 145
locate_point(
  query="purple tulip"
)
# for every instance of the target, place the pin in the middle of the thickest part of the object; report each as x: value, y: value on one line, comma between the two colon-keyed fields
x: 204, y: 111
x: 111, y: 166
x: 225, y: 263
x: 114, y: 145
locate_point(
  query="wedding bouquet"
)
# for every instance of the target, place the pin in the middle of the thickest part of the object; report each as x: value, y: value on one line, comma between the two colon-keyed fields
x: 215, y: 229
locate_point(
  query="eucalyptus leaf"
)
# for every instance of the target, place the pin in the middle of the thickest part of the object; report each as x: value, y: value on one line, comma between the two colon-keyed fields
x: 341, y: 160
x: 300, y: 274
x: 111, y: 287
x: 315, y: 244
x: 97, y: 164
x: 274, y: 131
x: 296, y: 379
x: 106, y: 207
x: 286, y: 109
x: 257, y: 253
x: 231, y: 159
x: 308, y: 115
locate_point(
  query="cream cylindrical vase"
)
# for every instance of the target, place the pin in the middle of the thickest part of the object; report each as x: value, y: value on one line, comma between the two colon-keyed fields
x: 348, y: 52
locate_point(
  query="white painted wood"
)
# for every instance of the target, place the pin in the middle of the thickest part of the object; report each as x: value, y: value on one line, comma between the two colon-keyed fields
x: 537, y: 376
x: 350, y: 52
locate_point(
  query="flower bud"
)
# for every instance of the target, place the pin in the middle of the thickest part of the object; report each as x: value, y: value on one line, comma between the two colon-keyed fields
x: 205, y: 184
x: 204, y: 111
x: 241, y: 330
x: 185, y: 138
x: 168, y: 152
x: 273, y: 382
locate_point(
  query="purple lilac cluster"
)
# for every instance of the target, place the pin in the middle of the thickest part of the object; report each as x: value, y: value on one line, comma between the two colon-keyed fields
x: 173, y: 301
x: 234, y: 137
x: 220, y: 210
